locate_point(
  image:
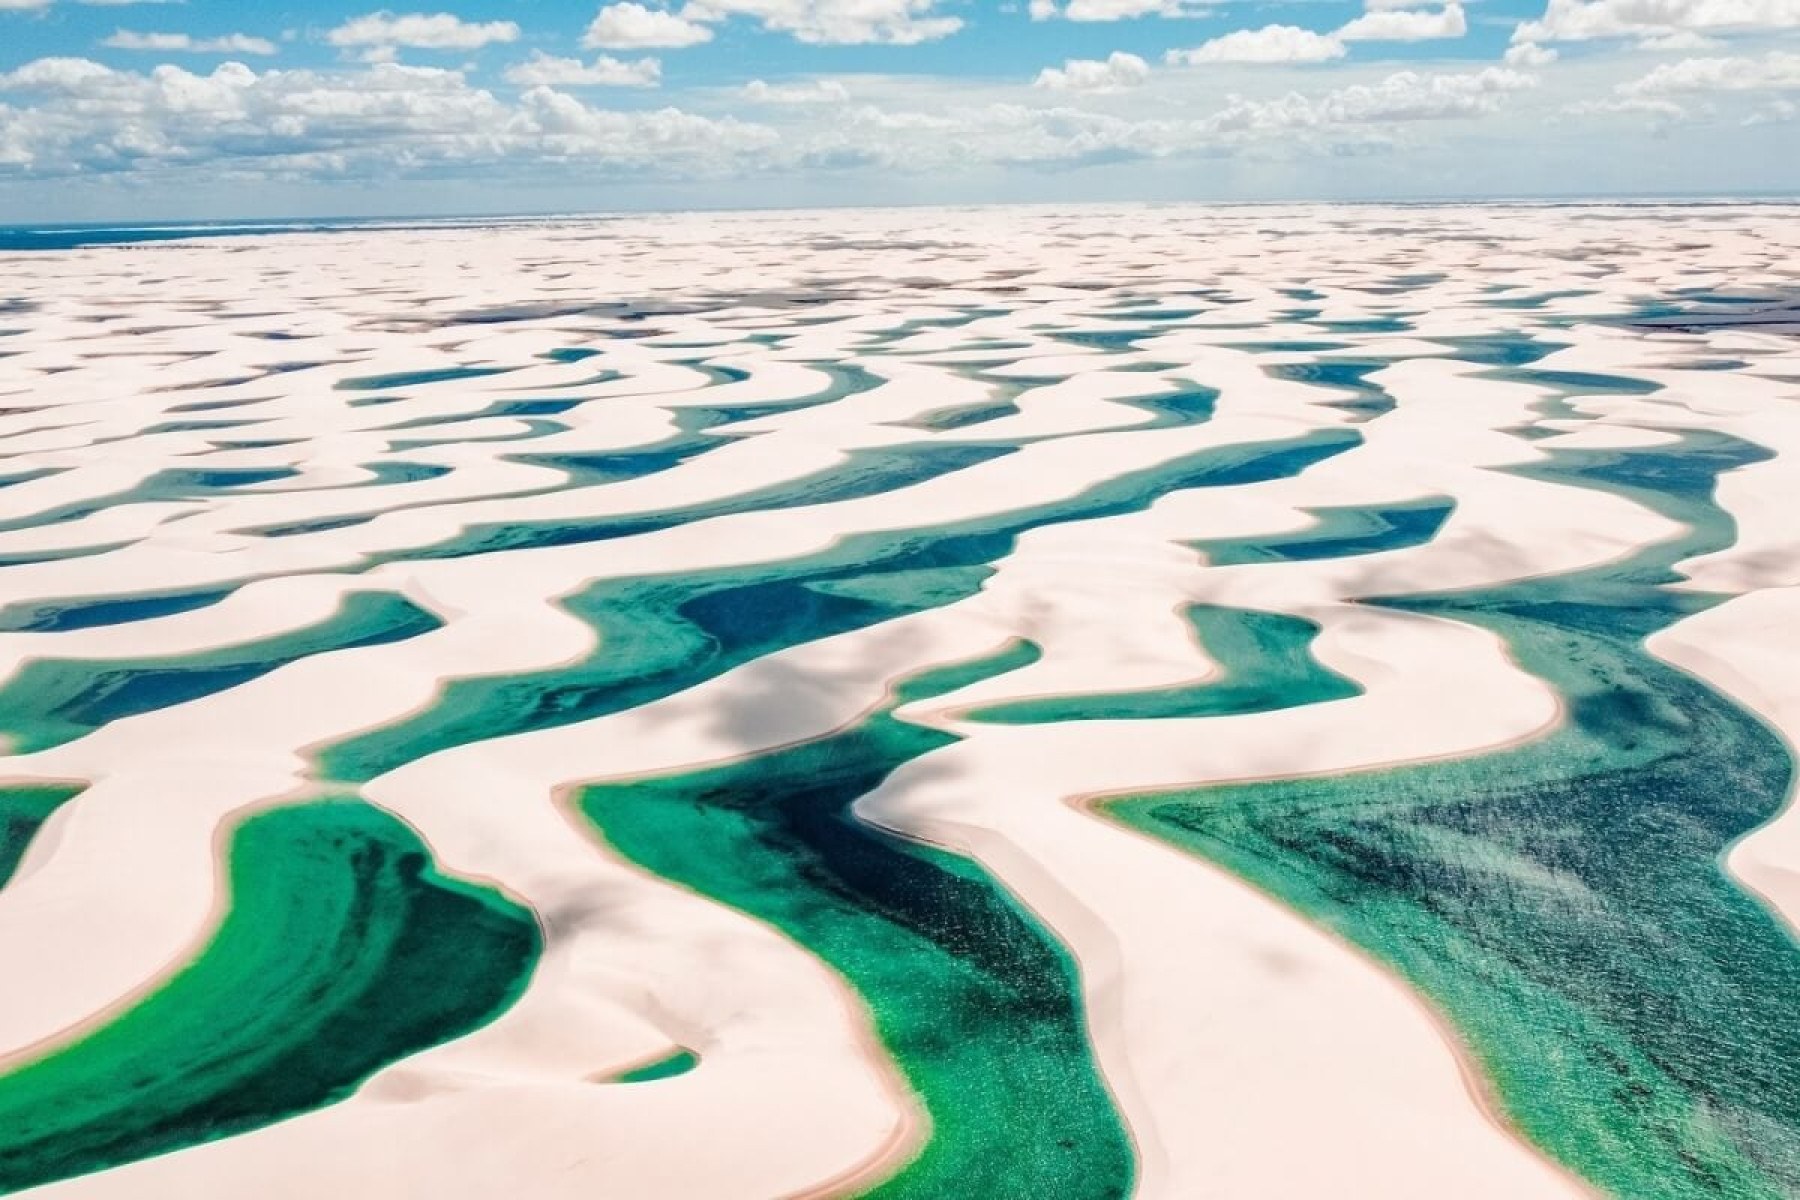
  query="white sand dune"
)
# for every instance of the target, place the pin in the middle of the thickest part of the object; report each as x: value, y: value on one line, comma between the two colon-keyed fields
x: 1251, y: 1053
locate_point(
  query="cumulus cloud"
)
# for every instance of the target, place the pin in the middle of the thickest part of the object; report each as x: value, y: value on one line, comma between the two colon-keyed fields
x: 1270, y: 44
x: 542, y: 70
x: 1660, y: 93
x: 631, y: 26
x: 1529, y: 54
x: 824, y: 91
x: 1402, y: 96
x: 1117, y: 10
x: 67, y: 76
x: 73, y: 115
x: 1587, y: 20
x: 820, y: 22
x: 181, y: 43
x: 423, y: 31
x: 1775, y: 71
x: 1115, y: 72
x: 386, y: 119
x: 836, y: 22
x: 1403, y: 25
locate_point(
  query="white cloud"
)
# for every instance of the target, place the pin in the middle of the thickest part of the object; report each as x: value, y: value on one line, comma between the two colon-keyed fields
x: 836, y: 22
x: 383, y: 120
x: 1115, y: 72
x: 62, y: 75
x: 630, y: 26
x: 1680, y: 39
x: 1117, y: 10
x: 1402, y: 96
x: 1660, y: 93
x: 1270, y: 44
x: 171, y: 43
x: 424, y: 31
x: 1529, y: 54
x: 1775, y: 71
x: 542, y: 70
x: 1396, y: 25
x: 1586, y: 20
x: 824, y: 91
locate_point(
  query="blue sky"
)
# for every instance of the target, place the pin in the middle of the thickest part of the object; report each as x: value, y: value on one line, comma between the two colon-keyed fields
x: 206, y: 109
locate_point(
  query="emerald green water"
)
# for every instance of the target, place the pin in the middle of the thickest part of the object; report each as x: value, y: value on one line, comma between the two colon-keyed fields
x: 342, y: 950
x: 1563, y: 901
x: 679, y: 1063
x: 977, y: 1004
x: 23, y: 809
x: 1265, y: 662
x: 661, y: 634
x: 55, y: 700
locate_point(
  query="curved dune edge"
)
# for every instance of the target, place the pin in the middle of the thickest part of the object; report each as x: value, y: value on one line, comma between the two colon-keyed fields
x: 605, y: 999
x: 454, y: 772
x: 1745, y: 648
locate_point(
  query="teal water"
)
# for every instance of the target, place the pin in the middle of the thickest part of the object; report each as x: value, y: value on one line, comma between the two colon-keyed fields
x: 170, y: 484
x: 1265, y: 663
x: 979, y: 1006
x: 661, y: 634
x: 1339, y: 533
x: 1563, y: 901
x: 341, y: 951
x: 867, y: 472
x: 59, y: 616
x: 1191, y: 404
x: 44, y: 556
x: 23, y: 810
x: 494, y: 408
x: 1368, y: 400
x: 534, y: 428
x: 405, y: 379
x: 55, y: 700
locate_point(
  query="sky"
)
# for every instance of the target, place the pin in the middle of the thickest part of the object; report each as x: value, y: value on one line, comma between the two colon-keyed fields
x: 114, y: 110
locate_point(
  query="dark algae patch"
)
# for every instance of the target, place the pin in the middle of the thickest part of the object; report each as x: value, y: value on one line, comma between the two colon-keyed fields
x: 342, y: 950
x: 1562, y: 901
x: 23, y: 809
x: 978, y: 1005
